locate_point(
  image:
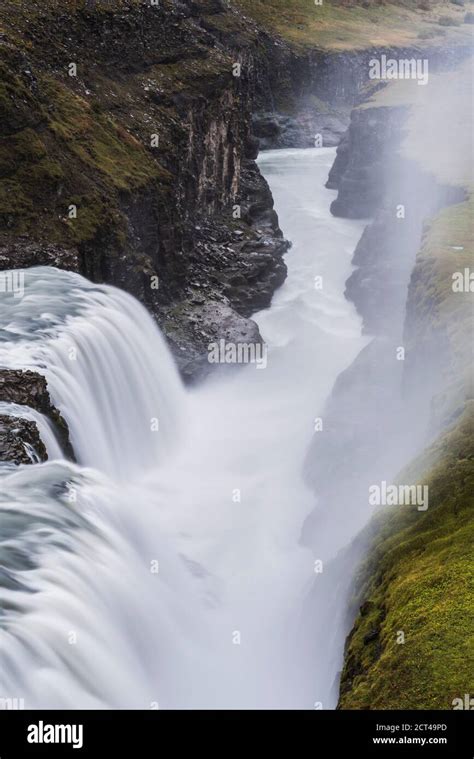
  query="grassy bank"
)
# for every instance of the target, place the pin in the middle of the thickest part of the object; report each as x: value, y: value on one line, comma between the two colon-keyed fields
x: 337, y: 25
x: 412, y: 645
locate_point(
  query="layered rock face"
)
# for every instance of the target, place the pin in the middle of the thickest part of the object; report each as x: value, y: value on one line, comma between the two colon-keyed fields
x: 130, y: 132
x: 127, y: 148
x: 360, y: 170
x: 304, y: 98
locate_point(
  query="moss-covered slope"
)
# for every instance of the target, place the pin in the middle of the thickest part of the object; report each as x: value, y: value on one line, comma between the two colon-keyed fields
x: 412, y: 645
x: 86, y: 138
x: 357, y: 24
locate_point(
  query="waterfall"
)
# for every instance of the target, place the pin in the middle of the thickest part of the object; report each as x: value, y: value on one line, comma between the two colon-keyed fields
x: 165, y: 569
x: 45, y: 428
x: 107, y: 365
x: 87, y: 623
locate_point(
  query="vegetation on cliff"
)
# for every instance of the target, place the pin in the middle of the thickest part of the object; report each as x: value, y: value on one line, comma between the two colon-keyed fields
x: 412, y: 645
x: 339, y: 25
x: 126, y: 140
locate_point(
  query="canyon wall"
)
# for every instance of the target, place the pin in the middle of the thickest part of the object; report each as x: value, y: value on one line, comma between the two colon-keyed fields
x: 402, y: 413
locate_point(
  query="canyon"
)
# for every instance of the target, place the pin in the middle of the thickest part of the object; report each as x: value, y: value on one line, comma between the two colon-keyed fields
x: 196, y: 212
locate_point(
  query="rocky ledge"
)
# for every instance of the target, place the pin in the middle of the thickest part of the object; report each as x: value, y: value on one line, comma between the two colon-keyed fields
x: 23, y: 253
x: 20, y: 442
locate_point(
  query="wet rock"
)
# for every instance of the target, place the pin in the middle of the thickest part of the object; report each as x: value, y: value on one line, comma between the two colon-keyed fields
x: 277, y: 130
x: 23, y: 253
x: 340, y: 164
x: 27, y: 388
x: 267, y: 126
x: 360, y: 171
x: 207, y: 324
x: 20, y: 442
x: 164, y: 69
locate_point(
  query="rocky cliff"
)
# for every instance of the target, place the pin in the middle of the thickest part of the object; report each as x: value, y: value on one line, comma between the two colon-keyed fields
x: 127, y: 143
x: 130, y: 131
x: 126, y: 155
x: 410, y: 388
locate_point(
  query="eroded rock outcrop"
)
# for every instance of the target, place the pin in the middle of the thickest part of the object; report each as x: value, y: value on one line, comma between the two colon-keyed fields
x: 24, y: 253
x: 19, y: 438
x: 20, y: 441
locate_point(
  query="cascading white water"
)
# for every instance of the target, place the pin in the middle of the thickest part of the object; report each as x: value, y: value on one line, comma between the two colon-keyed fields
x: 98, y: 347
x: 45, y: 428
x: 166, y: 568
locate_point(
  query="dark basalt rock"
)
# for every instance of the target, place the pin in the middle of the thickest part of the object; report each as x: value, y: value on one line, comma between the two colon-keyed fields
x: 24, y: 253
x: 27, y: 388
x: 20, y: 442
x: 340, y: 164
x: 276, y: 130
x: 232, y: 328
x: 167, y: 70
x: 360, y: 171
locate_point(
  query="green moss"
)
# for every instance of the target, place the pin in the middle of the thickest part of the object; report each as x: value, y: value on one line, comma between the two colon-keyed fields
x: 348, y: 26
x: 420, y: 580
x: 419, y: 574
x: 441, y: 315
x: 193, y: 73
x: 99, y: 142
x: 62, y: 151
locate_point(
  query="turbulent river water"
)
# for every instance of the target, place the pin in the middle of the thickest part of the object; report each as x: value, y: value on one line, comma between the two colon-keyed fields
x: 166, y: 569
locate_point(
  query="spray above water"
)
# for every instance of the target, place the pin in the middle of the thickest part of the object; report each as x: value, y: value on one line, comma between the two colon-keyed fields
x: 166, y: 569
